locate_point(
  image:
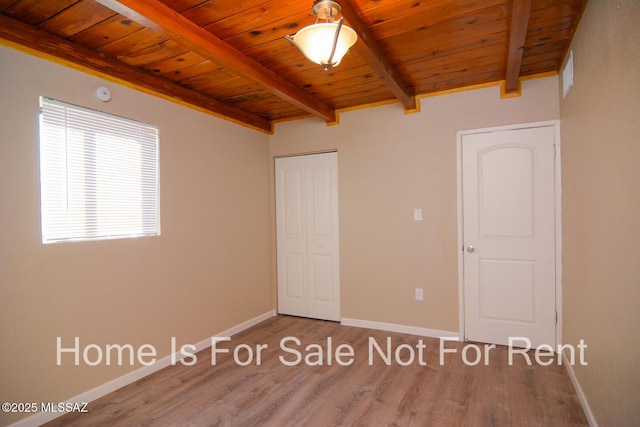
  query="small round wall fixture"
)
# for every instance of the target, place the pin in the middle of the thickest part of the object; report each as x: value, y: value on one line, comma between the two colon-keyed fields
x: 103, y: 94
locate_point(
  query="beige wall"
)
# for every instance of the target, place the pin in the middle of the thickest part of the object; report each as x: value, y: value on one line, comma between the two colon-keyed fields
x: 209, y: 270
x: 214, y: 265
x: 390, y: 163
x: 601, y: 221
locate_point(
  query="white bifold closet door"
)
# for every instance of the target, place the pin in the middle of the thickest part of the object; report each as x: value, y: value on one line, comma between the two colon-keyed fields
x: 307, y: 236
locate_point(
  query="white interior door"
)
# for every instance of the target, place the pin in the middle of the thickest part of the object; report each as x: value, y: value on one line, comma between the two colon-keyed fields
x: 307, y: 236
x: 508, y: 196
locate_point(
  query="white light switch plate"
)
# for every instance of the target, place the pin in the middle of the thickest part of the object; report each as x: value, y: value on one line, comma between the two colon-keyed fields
x: 417, y: 214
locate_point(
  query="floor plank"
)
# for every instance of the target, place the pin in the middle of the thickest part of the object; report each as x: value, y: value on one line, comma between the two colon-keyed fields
x: 361, y: 394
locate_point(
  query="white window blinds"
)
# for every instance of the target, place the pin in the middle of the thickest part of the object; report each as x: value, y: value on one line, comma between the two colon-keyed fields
x: 98, y: 175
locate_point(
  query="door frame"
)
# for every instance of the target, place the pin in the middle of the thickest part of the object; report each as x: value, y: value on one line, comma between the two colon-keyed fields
x: 557, y: 209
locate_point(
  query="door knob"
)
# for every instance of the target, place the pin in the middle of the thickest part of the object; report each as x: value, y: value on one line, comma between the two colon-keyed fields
x: 470, y: 249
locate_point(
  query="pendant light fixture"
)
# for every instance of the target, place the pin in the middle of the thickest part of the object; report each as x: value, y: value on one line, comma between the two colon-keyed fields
x: 325, y: 43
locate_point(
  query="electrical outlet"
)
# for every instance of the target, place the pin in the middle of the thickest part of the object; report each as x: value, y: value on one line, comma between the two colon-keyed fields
x: 419, y: 294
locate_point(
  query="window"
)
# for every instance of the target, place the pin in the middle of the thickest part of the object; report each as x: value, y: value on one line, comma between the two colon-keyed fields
x: 98, y: 175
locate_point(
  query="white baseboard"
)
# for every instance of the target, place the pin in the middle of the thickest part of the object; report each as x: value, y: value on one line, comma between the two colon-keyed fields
x: 131, y: 377
x: 403, y: 329
x: 581, y: 396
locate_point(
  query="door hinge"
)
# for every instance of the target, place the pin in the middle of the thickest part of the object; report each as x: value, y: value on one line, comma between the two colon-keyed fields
x: 556, y: 317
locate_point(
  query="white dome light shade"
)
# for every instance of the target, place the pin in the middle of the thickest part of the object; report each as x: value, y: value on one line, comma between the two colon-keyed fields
x: 316, y: 42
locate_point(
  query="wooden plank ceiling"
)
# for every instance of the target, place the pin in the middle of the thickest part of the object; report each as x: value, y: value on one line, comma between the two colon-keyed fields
x: 230, y: 58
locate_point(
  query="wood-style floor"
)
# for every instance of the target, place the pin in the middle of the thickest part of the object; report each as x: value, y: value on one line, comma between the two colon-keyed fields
x: 363, y: 394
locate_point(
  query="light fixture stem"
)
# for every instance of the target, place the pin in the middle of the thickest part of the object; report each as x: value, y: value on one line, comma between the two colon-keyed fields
x: 335, y: 43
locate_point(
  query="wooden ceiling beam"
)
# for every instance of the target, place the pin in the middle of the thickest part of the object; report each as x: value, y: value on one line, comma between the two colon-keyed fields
x: 162, y: 19
x: 46, y: 45
x: 517, y: 34
x: 371, y: 50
